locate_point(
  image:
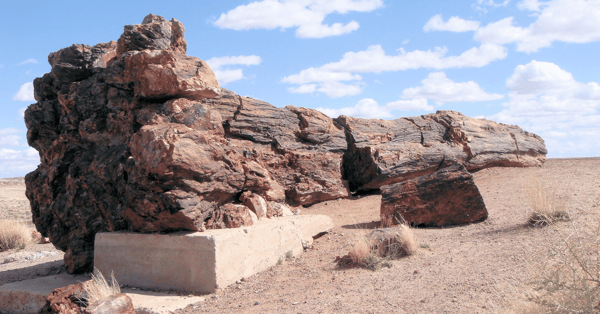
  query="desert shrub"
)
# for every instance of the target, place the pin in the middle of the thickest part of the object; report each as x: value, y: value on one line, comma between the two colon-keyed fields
x: 568, y: 279
x: 379, y: 248
x: 98, y: 288
x: 289, y: 255
x: 14, y: 235
x: 546, y: 202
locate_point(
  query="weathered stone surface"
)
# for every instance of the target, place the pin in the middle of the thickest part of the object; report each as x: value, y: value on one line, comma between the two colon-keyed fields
x: 135, y: 135
x: 384, y: 152
x: 256, y: 203
x: 230, y: 216
x: 64, y: 300
x: 447, y: 197
x: 114, y: 304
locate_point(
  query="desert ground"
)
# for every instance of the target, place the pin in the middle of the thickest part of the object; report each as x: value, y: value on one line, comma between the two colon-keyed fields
x: 484, y: 267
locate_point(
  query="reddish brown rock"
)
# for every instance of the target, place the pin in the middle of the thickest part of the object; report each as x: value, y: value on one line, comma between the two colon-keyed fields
x: 255, y: 203
x: 135, y: 135
x: 230, y: 216
x: 64, y: 300
x: 384, y: 152
x: 447, y: 197
x: 114, y: 304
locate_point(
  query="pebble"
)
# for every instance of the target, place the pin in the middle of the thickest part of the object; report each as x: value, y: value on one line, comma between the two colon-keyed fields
x: 256, y: 303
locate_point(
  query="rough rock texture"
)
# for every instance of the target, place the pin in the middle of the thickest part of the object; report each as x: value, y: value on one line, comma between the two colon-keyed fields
x: 64, y: 300
x: 114, y: 304
x: 136, y: 135
x: 384, y: 152
x: 447, y: 197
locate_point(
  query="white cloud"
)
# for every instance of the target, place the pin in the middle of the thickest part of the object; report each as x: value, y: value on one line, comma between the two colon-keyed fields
x: 369, y: 109
x: 481, y: 4
x: 530, y: 5
x: 29, y: 61
x: 375, y: 60
x: 571, y: 21
x: 306, y: 15
x: 303, y: 89
x: 410, y: 104
x: 337, y: 89
x: 454, y: 24
x: 440, y: 89
x: 218, y: 62
x: 225, y: 75
x: 9, y: 137
x: 25, y: 93
x: 18, y: 162
x: 546, y: 100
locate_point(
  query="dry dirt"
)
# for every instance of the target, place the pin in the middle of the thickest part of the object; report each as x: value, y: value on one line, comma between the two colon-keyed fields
x: 478, y: 268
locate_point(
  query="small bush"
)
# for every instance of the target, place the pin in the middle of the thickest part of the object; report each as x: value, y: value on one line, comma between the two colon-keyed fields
x: 568, y: 279
x: 545, y: 203
x: 377, y: 249
x: 289, y: 255
x: 98, y: 288
x: 14, y: 235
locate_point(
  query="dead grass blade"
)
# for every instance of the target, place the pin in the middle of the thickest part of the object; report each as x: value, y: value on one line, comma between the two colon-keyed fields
x: 98, y: 288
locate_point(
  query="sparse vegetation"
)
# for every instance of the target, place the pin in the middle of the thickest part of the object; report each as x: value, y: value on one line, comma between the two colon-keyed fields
x: 289, y: 255
x: 568, y: 279
x: 14, y: 235
x: 546, y: 203
x: 98, y: 288
x: 379, y: 248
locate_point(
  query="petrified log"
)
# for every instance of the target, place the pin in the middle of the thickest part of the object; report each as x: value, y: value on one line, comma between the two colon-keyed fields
x: 446, y: 197
x: 136, y: 135
x: 384, y: 152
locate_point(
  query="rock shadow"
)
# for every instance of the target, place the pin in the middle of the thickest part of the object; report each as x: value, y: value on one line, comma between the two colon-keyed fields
x: 33, y: 271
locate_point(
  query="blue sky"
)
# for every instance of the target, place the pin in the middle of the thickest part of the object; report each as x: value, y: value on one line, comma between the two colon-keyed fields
x: 525, y: 62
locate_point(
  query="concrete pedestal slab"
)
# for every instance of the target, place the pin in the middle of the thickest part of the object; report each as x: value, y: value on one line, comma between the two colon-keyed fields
x: 203, y: 261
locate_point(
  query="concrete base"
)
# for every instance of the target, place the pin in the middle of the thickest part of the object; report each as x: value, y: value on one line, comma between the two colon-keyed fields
x: 203, y: 261
x: 29, y: 296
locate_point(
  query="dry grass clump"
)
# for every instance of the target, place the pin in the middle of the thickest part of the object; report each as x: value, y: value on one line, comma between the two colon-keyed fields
x: 98, y: 288
x: 379, y: 248
x: 568, y: 280
x: 14, y: 235
x: 546, y: 203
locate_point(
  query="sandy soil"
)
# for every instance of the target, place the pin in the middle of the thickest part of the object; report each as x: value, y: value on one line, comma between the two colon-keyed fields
x: 478, y: 268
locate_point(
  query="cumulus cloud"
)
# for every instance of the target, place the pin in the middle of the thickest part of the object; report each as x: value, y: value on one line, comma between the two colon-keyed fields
x: 547, y: 100
x: 441, y: 89
x: 14, y: 159
x: 224, y: 74
x: 530, y: 5
x: 454, y: 24
x: 571, y: 21
x: 375, y: 60
x: 25, y: 93
x: 29, y: 61
x: 369, y: 109
x: 16, y: 163
x: 10, y: 137
x: 482, y: 4
x: 306, y: 15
